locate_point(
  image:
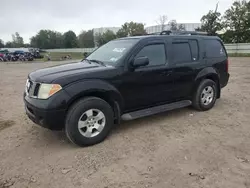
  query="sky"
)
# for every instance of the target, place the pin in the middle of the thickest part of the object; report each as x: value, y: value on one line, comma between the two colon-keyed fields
x: 29, y: 16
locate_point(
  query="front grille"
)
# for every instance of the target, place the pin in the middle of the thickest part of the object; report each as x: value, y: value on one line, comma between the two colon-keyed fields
x: 37, y: 86
x: 32, y: 88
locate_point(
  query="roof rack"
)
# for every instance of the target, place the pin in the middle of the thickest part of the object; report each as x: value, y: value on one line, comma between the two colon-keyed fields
x: 169, y: 32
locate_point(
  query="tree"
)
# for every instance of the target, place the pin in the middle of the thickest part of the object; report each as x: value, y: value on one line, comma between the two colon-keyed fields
x: 236, y: 20
x: 131, y: 29
x: 174, y: 26
x: 86, y: 39
x: 9, y: 45
x: 47, y: 39
x: 70, y: 40
x: 162, y: 21
x: 1, y: 43
x: 181, y: 27
x: 17, y: 40
x: 211, y: 22
x: 105, y: 37
x: 26, y: 45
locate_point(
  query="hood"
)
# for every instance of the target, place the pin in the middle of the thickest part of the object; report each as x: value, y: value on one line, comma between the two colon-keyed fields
x: 70, y: 72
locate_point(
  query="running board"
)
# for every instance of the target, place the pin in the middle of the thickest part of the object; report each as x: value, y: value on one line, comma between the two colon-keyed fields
x: 155, y: 110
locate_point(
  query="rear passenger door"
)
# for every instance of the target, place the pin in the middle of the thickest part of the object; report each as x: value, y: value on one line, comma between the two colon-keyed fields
x: 187, y: 62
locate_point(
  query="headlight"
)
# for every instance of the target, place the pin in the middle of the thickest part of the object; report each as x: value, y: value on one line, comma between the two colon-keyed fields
x: 47, y: 90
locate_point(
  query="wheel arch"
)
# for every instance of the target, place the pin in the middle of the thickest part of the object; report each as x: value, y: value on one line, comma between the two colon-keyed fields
x: 211, y: 74
x: 97, y: 88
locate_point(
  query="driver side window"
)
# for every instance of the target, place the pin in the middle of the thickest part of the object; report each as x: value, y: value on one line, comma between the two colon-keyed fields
x: 156, y: 54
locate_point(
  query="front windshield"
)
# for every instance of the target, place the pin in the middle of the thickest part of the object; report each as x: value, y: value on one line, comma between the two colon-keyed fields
x: 111, y: 52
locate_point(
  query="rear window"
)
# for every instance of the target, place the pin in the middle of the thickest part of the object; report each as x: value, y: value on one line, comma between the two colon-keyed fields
x: 214, y: 49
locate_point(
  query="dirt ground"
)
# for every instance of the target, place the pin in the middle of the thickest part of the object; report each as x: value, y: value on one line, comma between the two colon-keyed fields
x: 183, y: 148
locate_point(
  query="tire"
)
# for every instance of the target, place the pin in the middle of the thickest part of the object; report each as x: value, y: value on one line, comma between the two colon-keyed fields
x: 204, y: 102
x: 79, y: 115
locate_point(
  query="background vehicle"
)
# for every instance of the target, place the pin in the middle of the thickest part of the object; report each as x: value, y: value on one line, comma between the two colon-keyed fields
x: 126, y: 79
x: 28, y: 56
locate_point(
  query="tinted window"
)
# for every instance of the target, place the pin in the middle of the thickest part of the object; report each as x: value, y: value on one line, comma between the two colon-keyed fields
x: 182, y: 52
x: 194, y: 49
x: 155, y: 53
x: 214, y: 48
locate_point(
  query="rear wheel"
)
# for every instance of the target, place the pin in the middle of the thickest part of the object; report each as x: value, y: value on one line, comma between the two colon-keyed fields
x: 89, y: 121
x: 205, y: 95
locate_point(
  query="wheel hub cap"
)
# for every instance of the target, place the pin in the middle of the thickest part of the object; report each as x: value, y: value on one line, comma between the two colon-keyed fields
x: 207, y: 95
x: 91, y: 123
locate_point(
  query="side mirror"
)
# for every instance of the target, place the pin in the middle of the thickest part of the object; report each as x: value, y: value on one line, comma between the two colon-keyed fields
x: 140, y: 62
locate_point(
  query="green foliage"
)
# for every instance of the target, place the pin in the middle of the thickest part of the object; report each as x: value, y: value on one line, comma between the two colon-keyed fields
x: 1, y: 43
x: 175, y: 27
x: 237, y: 22
x: 131, y: 29
x: 181, y: 27
x: 105, y: 37
x: 9, y: 45
x: 17, y: 40
x: 47, y: 39
x: 26, y: 45
x: 239, y: 55
x: 86, y: 39
x: 57, y: 56
x: 70, y: 40
x: 211, y: 22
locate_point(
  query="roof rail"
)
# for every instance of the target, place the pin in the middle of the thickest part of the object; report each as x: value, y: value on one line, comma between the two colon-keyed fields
x: 169, y: 32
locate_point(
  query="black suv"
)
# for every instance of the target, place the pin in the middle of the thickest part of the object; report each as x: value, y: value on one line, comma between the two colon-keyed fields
x: 125, y: 79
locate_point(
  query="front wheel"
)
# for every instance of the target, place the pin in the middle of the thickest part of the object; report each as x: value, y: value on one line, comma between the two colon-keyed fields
x: 205, y: 95
x: 89, y: 121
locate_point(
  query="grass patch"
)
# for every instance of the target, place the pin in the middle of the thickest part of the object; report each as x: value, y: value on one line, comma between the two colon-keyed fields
x: 239, y: 54
x: 58, y: 56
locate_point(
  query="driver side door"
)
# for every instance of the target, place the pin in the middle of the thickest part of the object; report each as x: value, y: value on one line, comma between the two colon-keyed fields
x: 148, y: 85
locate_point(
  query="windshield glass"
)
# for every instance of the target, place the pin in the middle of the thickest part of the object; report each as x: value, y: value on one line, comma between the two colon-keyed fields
x: 111, y: 52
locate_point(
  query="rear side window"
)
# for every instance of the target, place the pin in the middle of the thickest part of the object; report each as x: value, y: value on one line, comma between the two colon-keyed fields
x: 214, y: 49
x: 155, y: 53
x: 181, y: 52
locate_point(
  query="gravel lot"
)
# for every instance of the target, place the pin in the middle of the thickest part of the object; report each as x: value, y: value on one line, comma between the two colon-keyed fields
x: 182, y: 148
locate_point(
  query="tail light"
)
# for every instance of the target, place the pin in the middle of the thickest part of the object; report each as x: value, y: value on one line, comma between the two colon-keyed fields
x: 227, y: 65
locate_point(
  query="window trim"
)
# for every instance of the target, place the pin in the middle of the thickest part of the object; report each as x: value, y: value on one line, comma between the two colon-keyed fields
x: 150, y: 44
x: 198, y: 48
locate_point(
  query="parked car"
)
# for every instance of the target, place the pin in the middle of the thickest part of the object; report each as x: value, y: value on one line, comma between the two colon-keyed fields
x: 37, y: 55
x: 1, y: 57
x: 11, y: 57
x: 126, y: 79
x: 28, y: 56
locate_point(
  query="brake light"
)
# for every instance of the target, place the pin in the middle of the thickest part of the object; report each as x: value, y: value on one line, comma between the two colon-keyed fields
x: 227, y: 65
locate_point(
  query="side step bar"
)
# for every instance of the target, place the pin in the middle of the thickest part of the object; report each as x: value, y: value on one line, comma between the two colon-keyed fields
x: 155, y: 110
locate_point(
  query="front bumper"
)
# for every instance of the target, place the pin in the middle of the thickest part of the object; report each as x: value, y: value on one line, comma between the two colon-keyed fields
x: 41, y: 113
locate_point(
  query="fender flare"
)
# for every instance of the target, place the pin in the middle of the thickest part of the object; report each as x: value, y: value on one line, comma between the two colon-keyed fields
x: 83, y: 88
x: 208, y: 73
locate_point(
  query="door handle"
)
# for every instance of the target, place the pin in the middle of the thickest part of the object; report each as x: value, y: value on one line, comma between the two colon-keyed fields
x: 167, y: 73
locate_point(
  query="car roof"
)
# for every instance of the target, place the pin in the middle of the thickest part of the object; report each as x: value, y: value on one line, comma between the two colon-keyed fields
x: 168, y: 36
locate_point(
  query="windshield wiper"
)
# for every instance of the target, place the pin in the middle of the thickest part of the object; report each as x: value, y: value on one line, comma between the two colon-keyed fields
x: 97, y: 61
x: 87, y: 60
